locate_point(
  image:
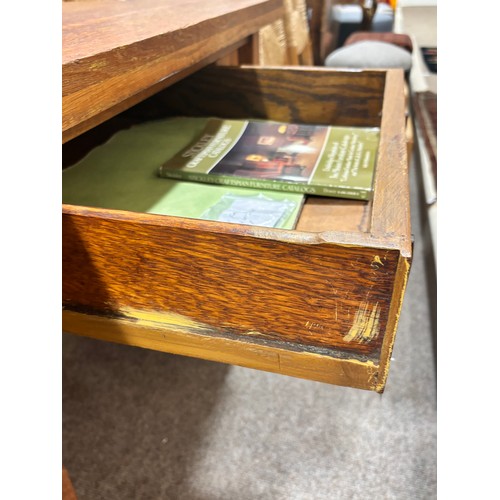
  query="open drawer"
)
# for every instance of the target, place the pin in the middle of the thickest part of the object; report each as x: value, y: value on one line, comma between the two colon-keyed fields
x: 319, y: 302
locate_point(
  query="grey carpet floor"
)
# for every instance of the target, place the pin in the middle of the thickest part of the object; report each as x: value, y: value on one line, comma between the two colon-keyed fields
x: 139, y: 424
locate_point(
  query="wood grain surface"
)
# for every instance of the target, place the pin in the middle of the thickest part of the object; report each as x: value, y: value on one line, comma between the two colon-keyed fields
x: 390, y: 216
x: 334, y: 214
x: 289, y: 94
x: 116, y: 53
x: 322, y: 295
x: 320, y: 302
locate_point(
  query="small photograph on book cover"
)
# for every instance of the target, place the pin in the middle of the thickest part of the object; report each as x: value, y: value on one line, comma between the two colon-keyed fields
x: 274, y: 151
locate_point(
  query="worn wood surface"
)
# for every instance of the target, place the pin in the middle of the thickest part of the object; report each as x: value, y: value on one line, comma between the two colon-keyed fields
x: 275, y: 285
x: 116, y: 53
x: 399, y: 288
x: 174, y: 335
x: 330, y: 290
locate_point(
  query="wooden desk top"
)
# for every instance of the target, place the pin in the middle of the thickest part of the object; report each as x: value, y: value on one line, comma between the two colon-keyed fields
x: 116, y: 53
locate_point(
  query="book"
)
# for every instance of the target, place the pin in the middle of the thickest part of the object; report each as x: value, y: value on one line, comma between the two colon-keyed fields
x: 121, y: 174
x: 260, y: 154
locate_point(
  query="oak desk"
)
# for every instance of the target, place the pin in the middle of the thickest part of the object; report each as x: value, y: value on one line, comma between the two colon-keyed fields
x: 320, y: 302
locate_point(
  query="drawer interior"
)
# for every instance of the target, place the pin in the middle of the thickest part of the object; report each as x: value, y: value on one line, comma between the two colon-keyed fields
x: 299, y: 95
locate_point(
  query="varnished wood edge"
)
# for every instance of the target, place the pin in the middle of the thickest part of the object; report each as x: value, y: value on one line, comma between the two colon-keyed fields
x: 287, y: 236
x: 401, y: 280
x: 256, y: 16
x: 70, y: 131
x: 391, y: 199
x: 178, y: 335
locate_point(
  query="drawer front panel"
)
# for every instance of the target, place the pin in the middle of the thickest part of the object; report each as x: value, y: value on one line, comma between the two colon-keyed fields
x: 318, y: 296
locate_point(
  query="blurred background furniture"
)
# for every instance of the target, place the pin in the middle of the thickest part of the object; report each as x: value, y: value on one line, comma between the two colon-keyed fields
x: 298, y: 33
x: 333, y: 21
x: 287, y: 41
x: 347, y: 17
x: 399, y: 39
x: 359, y: 34
x: 421, y: 22
x: 370, y: 53
x: 366, y: 39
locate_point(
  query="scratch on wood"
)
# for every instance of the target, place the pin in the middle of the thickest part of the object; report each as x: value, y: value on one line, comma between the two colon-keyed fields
x: 152, y: 317
x: 377, y: 262
x: 311, y: 325
x: 366, y: 324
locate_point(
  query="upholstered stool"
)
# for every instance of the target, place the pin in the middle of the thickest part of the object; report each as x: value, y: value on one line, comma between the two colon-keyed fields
x: 399, y: 39
x: 370, y: 54
x: 347, y: 18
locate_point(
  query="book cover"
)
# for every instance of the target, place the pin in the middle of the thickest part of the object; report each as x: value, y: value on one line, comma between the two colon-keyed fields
x: 121, y: 174
x: 312, y: 159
